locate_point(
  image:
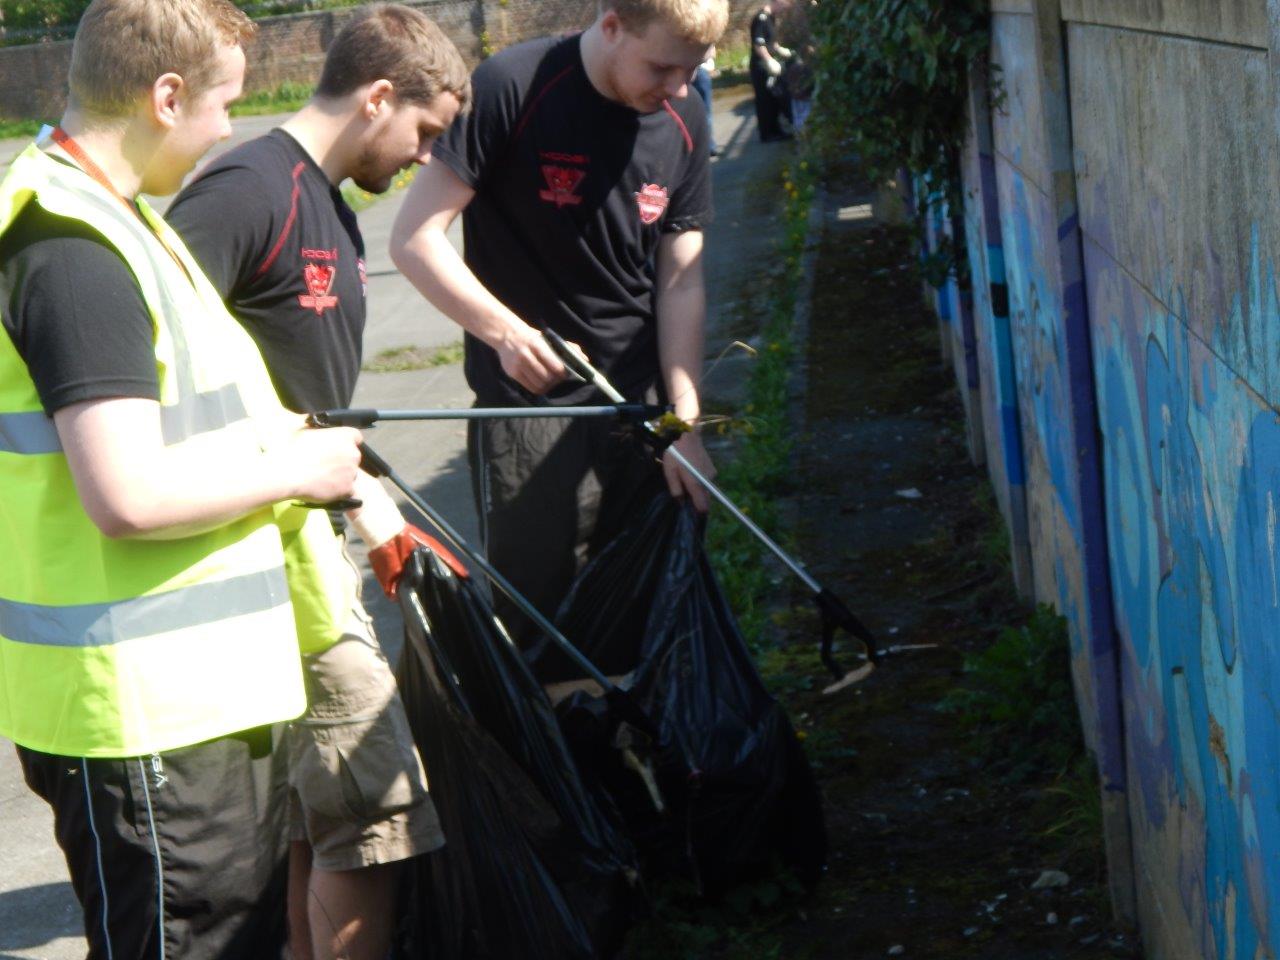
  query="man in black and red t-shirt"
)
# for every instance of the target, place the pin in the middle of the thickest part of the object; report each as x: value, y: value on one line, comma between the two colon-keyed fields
x: 584, y: 181
x: 269, y: 226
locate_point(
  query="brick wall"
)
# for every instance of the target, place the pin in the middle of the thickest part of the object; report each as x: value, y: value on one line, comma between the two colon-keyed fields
x: 290, y: 49
x: 33, y: 79
x: 511, y: 21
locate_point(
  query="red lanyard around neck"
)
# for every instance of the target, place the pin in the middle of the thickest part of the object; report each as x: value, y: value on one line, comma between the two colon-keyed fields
x: 87, y: 164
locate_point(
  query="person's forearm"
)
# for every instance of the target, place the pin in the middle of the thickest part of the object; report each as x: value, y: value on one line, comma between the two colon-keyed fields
x: 424, y: 254
x: 435, y: 268
x: 133, y: 486
x: 681, y: 315
x: 186, y: 497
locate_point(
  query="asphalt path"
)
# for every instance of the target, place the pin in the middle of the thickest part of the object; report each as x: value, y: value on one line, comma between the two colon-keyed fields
x: 39, y: 916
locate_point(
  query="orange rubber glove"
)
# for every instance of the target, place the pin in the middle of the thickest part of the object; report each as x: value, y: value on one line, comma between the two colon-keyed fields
x: 388, y: 559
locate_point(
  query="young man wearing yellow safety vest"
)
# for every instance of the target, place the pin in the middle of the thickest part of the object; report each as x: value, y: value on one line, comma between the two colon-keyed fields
x: 269, y: 226
x: 148, y: 479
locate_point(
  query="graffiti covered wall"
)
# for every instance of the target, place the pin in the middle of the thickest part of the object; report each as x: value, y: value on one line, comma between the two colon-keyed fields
x: 1176, y: 185
x: 1126, y: 184
x: 1028, y: 196
x: 997, y: 399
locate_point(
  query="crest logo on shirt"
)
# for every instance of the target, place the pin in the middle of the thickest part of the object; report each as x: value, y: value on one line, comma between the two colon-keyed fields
x: 562, y: 185
x: 319, y: 280
x: 652, y: 200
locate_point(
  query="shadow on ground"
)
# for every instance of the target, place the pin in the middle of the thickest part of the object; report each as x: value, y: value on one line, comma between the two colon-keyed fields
x: 38, y: 915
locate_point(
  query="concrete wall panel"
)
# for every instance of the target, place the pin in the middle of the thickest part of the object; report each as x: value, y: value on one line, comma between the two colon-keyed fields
x: 1056, y: 391
x: 1176, y: 165
x: 1225, y: 21
x: 1019, y: 124
x: 1174, y: 177
x: 997, y: 386
x: 1029, y: 229
x: 1136, y: 213
x: 1192, y: 472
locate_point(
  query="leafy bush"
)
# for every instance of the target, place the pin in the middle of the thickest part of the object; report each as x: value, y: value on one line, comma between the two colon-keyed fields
x: 892, y: 81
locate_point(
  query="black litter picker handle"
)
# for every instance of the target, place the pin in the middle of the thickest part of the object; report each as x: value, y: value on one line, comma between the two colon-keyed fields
x: 571, y: 360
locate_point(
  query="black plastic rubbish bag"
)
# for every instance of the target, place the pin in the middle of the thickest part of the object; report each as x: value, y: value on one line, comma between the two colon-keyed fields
x: 739, y: 792
x: 534, y: 865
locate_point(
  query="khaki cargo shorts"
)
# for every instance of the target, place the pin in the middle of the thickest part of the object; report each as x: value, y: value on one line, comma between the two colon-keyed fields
x: 358, y: 791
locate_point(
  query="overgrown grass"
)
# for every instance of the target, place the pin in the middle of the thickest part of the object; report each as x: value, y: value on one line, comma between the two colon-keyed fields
x: 399, y: 359
x: 760, y: 465
x: 285, y: 98
x: 1018, y: 702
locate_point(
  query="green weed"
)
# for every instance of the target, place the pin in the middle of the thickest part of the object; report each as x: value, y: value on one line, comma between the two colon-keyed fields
x: 1017, y: 701
x: 761, y: 461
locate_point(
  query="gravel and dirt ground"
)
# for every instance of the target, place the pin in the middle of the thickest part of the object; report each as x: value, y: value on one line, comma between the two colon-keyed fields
x: 953, y: 776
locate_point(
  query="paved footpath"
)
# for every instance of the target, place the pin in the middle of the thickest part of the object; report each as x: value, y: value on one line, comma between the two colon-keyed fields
x: 39, y: 916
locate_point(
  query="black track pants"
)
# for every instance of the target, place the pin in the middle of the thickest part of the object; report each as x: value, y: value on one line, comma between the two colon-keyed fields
x: 550, y: 495
x: 177, y: 856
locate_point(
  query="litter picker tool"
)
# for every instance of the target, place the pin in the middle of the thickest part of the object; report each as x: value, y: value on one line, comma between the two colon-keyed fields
x: 635, y: 412
x: 835, y: 615
x: 624, y: 705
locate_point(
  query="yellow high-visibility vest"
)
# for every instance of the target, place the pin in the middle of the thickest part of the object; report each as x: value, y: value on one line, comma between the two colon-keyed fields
x: 117, y: 648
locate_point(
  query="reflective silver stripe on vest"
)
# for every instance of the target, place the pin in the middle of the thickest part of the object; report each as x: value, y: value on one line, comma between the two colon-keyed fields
x: 195, y: 412
x: 103, y: 624
x: 28, y: 434
x: 203, y: 413
x: 34, y: 433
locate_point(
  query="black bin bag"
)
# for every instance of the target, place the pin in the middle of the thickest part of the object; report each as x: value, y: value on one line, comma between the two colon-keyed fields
x: 739, y: 793
x: 534, y: 864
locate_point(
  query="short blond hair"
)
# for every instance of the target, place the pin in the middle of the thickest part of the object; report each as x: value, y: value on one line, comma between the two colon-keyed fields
x: 389, y: 41
x: 697, y: 21
x: 123, y: 46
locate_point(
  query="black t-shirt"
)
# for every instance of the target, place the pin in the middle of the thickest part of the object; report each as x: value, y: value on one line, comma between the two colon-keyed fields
x: 284, y: 251
x: 573, y: 193
x: 764, y: 31
x: 74, y: 311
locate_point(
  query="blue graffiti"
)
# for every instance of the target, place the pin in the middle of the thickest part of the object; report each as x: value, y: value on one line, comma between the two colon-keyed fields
x: 1038, y: 333
x: 1192, y: 473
